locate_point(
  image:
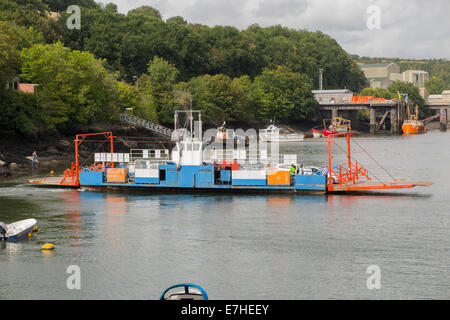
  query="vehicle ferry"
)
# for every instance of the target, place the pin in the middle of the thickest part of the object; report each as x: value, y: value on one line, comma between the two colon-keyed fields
x: 187, y: 168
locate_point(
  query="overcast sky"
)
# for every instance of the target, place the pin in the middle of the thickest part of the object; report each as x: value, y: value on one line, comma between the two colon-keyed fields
x: 408, y: 28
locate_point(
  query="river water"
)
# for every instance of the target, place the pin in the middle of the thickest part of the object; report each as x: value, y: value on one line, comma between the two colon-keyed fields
x: 133, y: 246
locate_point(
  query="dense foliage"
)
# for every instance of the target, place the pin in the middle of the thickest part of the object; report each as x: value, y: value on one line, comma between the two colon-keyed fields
x: 74, y: 87
x: 140, y: 62
x: 435, y: 85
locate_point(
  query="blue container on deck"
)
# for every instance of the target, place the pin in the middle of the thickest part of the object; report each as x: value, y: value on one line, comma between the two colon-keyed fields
x: 91, y: 178
x: 310, y: 182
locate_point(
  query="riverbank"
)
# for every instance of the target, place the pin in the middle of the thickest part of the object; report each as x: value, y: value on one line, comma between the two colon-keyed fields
x: 56, y: 150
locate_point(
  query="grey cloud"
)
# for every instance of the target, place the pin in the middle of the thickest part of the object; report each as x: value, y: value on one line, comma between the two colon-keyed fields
x: 280, y: 8
x: 209, y: 12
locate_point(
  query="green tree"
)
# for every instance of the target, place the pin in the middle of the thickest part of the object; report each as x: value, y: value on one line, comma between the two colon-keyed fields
x: 145, y: 11
x: 9, y: 55
x: 74, y: 87
x: 62, y: 5
x: 221, y: 98
x: 284, y: 95
x: 377, y: 93
x: 401, y: 87
x: 414, y: 97
x: 19, y: 112
x: 435, y: 85
x: 160, y: 87
x: 28, y: 13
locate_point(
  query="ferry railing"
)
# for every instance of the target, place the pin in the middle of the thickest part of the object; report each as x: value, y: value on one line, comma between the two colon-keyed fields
x: 149, y: 154
x: 350, y: 174
x: 251, y: 157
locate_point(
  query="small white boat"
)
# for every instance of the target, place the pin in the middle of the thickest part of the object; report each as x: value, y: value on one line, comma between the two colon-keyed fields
x: 272, y: 134
x: 17, y: 230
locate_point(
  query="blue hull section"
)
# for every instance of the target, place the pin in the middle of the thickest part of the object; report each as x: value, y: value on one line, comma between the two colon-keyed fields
x: 204, y: 177
x: 20, y: 236
x: 313, y: 182
x: 146, y: 180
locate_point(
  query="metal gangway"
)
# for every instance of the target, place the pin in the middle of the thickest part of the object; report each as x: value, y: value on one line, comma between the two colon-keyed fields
x: 135, y: 121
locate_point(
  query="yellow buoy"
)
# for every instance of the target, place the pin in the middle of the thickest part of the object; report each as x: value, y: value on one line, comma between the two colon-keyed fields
x: 35, y: 229
x: 48, y: 246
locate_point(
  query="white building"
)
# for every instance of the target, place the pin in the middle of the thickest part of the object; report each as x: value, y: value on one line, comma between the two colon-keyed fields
x: 417, y: 77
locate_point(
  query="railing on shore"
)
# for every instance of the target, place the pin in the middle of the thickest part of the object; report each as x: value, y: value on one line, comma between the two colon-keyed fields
x: 154, y: 127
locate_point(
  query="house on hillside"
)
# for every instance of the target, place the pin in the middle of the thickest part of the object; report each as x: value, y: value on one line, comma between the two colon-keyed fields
x: 23, y: 87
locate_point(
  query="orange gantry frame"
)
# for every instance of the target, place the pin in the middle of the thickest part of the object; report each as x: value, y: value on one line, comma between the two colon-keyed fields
x: 356, y: 178
x: 72, y: 175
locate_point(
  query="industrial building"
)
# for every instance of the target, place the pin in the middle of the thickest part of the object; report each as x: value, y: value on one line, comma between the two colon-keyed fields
x: 439, y: 99
x: 417, y: 77
x: 382, y: 75
x: 333, y: 96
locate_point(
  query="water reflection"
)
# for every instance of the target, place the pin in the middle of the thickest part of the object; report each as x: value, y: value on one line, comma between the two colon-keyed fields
x: 278, y: 202
x: 116, y: 209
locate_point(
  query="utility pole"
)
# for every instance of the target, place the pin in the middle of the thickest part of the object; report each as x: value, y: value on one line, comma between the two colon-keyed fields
x: 320, y: 79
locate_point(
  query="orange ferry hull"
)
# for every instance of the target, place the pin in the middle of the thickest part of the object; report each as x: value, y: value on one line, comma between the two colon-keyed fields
x: 410, y: 128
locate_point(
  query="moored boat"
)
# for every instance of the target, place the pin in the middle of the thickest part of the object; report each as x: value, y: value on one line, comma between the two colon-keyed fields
x: 336, y: 125
x: 272, y: 134
x: 413, y: 127
x: 17, y: 230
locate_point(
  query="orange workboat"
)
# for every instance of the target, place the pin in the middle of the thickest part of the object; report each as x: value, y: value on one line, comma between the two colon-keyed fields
x: 413, y: 127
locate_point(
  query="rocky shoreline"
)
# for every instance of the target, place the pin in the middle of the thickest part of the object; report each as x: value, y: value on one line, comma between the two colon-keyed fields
x: 56, y: 151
